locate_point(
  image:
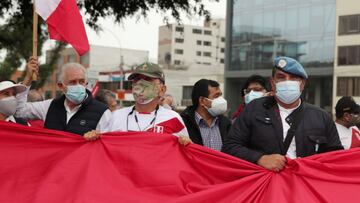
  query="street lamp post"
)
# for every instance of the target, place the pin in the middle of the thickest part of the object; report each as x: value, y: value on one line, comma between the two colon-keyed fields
x: 122, y: 75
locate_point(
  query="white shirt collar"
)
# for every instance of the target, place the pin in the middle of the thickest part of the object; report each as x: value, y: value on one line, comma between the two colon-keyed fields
x: 288, y: 110
x: 10, y: 118
x: 67, y: 108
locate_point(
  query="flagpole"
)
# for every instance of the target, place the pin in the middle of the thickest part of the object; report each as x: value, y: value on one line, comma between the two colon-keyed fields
x: 35, y: 37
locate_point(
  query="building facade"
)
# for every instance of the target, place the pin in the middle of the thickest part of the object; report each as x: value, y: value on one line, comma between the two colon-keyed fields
x: 180, y: 83
x: 188, y: 53
x: 260, y: 30
x: 182, y: 46
x: 347, y: 51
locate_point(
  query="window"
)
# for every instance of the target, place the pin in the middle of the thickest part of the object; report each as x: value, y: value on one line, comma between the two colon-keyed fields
x: 207, y: 32
x: 186, y: 96
x: 207, y: 43
x: 222, y: 61
x: 348, y: 55
x: 198, y: 42
x: 349, y: 24
x: 179, y: 29
x: 177, y: 62
x: 207, y: 54
x: 222, y: 50
x: 353, y: 24
x: 223, y: 39
x: 198, y: 53
x: 187, y: 92
x: 197, y: 31
x: 179, y: 51
x: 348, y: 86
x: 179, y: 40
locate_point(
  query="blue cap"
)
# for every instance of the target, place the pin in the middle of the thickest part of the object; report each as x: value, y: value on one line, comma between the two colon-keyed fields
x: 290, y: 66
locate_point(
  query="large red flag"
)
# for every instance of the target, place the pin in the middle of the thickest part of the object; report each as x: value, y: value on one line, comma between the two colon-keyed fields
x: 64, y: 22
x: 42, y: 166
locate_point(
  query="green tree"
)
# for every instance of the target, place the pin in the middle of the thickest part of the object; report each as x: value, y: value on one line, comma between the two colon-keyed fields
x: 16, y: 31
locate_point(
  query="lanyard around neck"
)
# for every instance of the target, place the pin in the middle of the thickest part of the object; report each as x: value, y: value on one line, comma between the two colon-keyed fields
x: 152, y: 122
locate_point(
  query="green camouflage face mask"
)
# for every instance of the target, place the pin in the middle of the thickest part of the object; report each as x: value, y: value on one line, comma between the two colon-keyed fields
x: 144, y: 91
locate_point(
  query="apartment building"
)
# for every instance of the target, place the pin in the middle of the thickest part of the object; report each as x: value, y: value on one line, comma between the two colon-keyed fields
x: 347, y: 51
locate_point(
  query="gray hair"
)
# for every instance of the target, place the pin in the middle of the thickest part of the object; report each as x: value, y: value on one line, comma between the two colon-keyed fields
x: 173, y: 103
x: 104, y: 96
x: 70, y: 66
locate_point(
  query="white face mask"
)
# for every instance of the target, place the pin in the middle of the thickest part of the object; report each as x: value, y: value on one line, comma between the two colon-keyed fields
x: 8, y: 106
x: 253, y: 95
x: 288, y: 91
x: 75, y: 93
x: 218, y: 106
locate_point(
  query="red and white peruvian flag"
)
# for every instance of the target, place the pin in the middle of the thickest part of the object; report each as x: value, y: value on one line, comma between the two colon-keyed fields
x: 95, y: 89
x: 64, y: 22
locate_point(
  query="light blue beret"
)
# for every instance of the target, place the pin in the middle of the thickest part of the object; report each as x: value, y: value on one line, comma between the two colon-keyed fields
x: 290, y: 66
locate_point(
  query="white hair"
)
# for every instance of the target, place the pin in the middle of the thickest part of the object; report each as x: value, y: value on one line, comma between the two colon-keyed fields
x: 70, y: 66
x: 173, y: 101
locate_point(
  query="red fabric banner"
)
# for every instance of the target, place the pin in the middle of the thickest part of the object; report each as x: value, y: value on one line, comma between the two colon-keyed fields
x: 39, y: 165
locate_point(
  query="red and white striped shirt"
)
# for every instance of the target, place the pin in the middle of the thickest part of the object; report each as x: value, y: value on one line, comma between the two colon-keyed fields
x: 161, y: 120
x: 349, y: 137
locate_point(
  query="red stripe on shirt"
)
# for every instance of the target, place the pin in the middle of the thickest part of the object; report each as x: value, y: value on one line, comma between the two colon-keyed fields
x: 170, y: 126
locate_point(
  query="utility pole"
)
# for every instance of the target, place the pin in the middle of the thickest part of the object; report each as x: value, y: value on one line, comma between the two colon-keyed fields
x: 122, y: 75
x: 122, y: 78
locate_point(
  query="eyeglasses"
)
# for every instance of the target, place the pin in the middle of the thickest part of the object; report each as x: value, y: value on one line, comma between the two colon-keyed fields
x: 255, y: 89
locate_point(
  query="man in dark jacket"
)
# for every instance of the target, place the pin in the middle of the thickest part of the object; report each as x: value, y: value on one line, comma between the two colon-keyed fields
x: 76, y: 111
x: 272, y: 128
x: 204, y: 120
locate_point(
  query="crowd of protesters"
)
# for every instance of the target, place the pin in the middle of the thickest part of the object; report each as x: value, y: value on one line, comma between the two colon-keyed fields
x: 272, y: 124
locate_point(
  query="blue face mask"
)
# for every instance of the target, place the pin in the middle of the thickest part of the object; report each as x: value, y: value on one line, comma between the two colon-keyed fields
x: 75, y: 93
x: 253, y: 95
x: 288, y: 91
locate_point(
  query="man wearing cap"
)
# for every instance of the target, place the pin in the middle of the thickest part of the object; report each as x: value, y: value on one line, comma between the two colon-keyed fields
x: 8, y: 101
x: 271, y: 129
x: 347, y: 117
x: 148, y: 87
x: 74, y: 111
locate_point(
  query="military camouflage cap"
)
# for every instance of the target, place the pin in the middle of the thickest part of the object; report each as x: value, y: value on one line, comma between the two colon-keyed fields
x: 148, y: 69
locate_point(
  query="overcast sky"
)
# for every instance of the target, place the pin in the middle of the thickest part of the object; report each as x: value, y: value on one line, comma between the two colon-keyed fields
x: 143, y: 34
